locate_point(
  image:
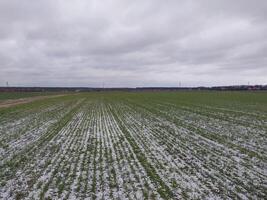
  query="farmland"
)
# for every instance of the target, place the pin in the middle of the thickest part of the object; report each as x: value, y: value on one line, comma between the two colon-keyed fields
x: 119, y: 145
x: 19, y: 95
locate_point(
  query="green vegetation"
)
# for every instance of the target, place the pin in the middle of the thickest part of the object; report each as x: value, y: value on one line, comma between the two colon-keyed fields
x: 19, y: 95
x: 135, y: 145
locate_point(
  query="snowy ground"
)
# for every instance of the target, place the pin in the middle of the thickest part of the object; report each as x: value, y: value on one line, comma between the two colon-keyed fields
x: 128, y: 147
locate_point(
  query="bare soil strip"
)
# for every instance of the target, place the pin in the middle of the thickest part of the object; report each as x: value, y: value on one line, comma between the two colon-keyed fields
x: 14, y: 102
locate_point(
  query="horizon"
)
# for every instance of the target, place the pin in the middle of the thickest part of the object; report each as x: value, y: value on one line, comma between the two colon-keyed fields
x: 88, y: 87
x: 161, y: 86
x: 133, y: 43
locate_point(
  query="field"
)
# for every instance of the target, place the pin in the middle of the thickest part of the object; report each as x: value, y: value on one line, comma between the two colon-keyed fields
x: 119, y: 145
x: 19, y: 95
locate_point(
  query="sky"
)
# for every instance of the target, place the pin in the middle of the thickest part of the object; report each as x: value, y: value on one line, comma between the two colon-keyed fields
x: 125, y: 43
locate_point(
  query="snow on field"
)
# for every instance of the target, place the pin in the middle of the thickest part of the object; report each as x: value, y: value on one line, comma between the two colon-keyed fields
x: 110, y: 148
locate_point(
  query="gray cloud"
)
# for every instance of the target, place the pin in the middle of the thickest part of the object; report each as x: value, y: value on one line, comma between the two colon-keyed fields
x: 133, y: 43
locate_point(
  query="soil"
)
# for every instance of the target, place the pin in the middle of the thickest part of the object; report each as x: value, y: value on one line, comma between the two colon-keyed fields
x: 14, y: 102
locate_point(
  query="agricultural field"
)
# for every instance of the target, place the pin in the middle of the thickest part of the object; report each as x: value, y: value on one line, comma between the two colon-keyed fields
x: 19, y: 95
x: 147, y: 145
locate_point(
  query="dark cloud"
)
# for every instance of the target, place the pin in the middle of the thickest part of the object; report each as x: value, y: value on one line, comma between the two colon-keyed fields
x: 133, y: 43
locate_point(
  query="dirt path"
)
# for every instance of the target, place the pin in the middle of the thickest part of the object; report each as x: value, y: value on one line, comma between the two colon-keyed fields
x: 14, y: 102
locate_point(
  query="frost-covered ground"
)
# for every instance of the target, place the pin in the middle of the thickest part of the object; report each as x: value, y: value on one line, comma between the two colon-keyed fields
x: 136, y: 146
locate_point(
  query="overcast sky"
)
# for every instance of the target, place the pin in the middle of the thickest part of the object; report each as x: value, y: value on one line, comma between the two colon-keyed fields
x: 128, y: 43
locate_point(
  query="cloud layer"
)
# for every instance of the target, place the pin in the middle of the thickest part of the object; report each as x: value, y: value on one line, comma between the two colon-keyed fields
x: 133, y: 43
